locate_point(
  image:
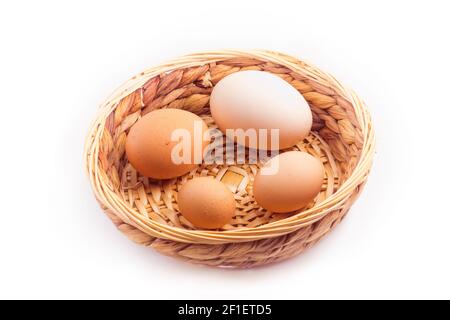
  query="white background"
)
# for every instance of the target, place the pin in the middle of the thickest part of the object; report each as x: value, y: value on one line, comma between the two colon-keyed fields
x: 59, y: 60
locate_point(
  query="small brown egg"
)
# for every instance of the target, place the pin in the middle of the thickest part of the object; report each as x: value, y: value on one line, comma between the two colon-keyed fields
x: 150, y: 143
x: 206, y: 203
x: 288, y: 182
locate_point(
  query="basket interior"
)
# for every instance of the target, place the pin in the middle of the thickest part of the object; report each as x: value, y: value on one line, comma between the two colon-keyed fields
x: 335, y: 139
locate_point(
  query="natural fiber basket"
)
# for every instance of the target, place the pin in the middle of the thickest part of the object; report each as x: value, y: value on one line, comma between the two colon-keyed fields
x: 146, y: 210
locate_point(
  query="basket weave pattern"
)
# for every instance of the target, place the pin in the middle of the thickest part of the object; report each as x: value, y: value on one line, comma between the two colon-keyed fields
x: 146, y: 210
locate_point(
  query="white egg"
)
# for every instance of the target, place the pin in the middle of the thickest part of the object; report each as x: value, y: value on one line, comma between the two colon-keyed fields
x: 260, y: 100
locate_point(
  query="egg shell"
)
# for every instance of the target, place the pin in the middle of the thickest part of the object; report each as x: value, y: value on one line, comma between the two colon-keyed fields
x: 292, y: 180
x: 256, y: 99
x: 149, y: 143
x: 206, y: 203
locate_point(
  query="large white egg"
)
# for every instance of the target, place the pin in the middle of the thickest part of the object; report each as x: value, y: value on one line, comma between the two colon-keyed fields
x: 260, y: 100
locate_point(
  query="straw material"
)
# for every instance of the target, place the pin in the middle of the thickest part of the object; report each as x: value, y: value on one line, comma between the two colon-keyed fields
x: 146, y: 210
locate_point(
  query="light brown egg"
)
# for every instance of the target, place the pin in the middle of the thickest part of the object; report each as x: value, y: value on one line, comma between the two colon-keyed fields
x: 206, y: 203
x: 261, y: 102
x: 151, y: 146
x: 288, y: 182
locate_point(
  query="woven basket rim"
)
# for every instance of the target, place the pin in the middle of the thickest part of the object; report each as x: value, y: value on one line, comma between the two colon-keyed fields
x: 272, y: 229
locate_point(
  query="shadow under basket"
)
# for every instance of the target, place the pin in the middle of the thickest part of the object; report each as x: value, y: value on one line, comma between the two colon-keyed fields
x: 146, y: 210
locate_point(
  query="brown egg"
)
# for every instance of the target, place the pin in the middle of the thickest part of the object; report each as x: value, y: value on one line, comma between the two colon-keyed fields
x: 206, y: 203
x: 155, y: 148
x: 288, y: 181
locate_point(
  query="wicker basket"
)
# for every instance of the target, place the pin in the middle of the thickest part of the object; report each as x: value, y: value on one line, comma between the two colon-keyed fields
x: 146, y: 210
